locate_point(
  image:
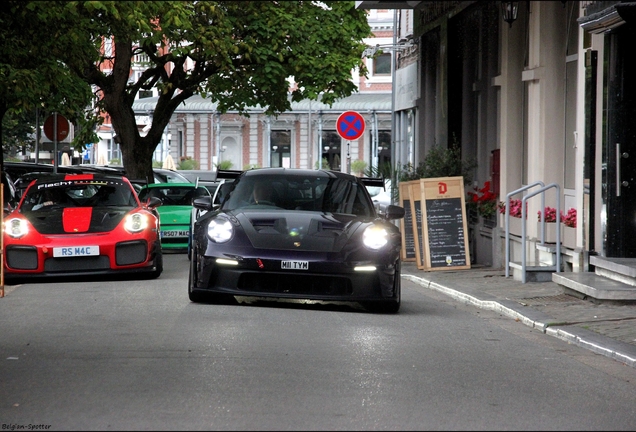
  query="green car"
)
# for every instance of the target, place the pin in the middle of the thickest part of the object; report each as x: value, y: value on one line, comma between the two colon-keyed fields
x: 176, y: 212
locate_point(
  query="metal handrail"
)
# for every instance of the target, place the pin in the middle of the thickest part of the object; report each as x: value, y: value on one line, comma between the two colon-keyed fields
x: 558, y: 225
x: 507, y: 219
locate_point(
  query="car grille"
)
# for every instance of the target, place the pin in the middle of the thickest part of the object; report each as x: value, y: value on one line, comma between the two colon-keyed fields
x: 133, y: 252
x: 75, y: 264
x: 295, y: 284
x: 22, y: 257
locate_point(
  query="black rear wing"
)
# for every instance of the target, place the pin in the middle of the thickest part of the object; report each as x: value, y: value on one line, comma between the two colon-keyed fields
x: 373, y: 181
x: 228, y: 174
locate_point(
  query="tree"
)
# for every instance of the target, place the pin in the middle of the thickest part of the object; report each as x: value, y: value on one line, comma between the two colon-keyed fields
x: 239, y: 54
x: 17, y: 131
x: 35, y: 37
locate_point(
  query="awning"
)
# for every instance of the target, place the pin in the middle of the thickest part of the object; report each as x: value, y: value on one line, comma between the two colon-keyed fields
x: 609, y: 18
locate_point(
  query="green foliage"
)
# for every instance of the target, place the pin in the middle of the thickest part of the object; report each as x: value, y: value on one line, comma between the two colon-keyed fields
x: 243, y: 55
x: 18, y: 131
x: 358, y: 167
x: 325, y: 164
x: 157, y: 164
x: 224, y: 165
x: 188, y: 163
x: 39, y: 42
x: 390, y: 174
x: 440, y: 162
x: 251, y: 166
x: 114, y: 161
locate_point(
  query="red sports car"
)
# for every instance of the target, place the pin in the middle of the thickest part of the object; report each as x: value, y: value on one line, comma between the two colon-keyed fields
x: 81, y: 225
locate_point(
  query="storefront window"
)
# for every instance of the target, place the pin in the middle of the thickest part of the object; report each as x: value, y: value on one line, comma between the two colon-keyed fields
x: 280, y: 149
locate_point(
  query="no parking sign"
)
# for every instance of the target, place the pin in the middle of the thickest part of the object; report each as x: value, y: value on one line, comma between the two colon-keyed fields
x: 350, y: 125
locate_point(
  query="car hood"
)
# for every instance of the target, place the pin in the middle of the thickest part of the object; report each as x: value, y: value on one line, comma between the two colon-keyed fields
x: 175, y: 214
x: 297, y: 230
x: 76, y: 219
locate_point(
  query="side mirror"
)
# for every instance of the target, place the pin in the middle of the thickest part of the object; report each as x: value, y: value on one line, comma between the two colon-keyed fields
x: 393, y: 212
x: 203, y: 203
x: 154, y: 202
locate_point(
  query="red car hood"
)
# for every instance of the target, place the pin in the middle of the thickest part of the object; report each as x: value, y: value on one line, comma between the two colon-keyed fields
x: 76, y: 220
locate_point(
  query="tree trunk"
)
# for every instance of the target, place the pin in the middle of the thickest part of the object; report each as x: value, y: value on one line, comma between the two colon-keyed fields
x: 137, y: 158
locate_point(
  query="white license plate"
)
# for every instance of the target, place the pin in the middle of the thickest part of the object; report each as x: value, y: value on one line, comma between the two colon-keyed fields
x: 294, y: 265
x: 184, y: 233
x: 73, y: 251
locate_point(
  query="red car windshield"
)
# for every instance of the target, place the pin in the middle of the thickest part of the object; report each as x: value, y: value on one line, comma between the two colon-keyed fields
x: 78, y: 193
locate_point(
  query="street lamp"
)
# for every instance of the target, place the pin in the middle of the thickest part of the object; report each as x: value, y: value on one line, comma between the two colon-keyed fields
x: 509, y: 11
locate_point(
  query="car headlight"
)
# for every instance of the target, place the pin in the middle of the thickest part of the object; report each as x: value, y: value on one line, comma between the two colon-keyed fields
x: 16, y: 227
x: 220, y: 230
x: 136, y: 222
x: 375, y: 237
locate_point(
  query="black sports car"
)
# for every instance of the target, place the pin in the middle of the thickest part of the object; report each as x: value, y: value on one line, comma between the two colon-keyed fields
x: 296, y: 234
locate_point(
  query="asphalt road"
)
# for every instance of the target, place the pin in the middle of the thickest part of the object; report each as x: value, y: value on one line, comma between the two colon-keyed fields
x: 137, y: 355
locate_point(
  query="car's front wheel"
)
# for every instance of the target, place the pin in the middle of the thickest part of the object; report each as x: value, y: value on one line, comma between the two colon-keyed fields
x: 158, y: 264
x: 194, y: 296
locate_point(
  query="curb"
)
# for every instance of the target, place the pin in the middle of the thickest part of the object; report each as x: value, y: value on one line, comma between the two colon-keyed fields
x: 619, y: 351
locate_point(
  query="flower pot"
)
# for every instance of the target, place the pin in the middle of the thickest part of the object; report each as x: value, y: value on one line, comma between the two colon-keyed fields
x: 515, y: 225
x: 550, y: 232
x: 569, y: 237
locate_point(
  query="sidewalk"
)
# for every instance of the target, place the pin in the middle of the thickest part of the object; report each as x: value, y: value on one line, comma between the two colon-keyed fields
x: 607, y: 328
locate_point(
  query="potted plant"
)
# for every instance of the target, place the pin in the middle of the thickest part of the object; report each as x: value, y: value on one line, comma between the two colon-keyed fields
x: 549, y: 215
x: 515, y: 215
x: 483, y: 201
x: 568, y: 220
x: 358, y: 166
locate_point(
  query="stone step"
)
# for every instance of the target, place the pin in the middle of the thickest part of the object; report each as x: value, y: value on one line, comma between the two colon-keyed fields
x: 619, y: 269
x: 535, y: 272
x: 533, y: 266
x: 595, y: 286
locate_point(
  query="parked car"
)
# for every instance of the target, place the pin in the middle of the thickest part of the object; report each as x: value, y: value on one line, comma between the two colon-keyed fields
x: 202, y: 175
x: 162, y: 175
x: 296, y: 234
x: 176, y: 213
x: 211, y: 179
x: 16, y: 169
x: 79, y: 225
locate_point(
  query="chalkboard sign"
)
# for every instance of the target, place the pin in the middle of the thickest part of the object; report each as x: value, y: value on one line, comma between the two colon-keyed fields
x: 408, y: 230
x: 443, y: 226
x: 444, y: 222
x: 419, y: 252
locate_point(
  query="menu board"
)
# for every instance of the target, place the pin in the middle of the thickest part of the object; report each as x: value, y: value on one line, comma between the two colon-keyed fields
x: 443, y: 226
x: 408, y: 230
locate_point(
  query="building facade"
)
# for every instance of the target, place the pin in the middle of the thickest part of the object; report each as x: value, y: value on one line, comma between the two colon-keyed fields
x: 539, y: 92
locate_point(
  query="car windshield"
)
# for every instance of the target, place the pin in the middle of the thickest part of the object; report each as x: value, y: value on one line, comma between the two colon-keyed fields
x: 78, y: 193
x: 299, y: 192
x: 166, y: 176
x: 174, y: 195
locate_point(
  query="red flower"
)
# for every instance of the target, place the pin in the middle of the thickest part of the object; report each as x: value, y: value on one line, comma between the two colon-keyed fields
x: 569, y: 219
x: 550, y: 214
